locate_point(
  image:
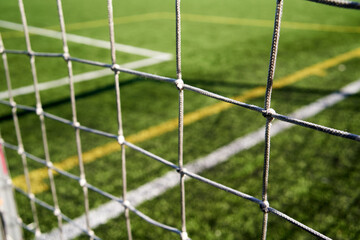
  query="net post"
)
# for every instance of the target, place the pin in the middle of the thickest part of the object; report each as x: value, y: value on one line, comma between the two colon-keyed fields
x: 9, y: 225
x: 11, y: 221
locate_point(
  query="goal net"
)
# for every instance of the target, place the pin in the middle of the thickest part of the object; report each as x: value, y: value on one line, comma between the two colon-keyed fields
x: 13, y: 225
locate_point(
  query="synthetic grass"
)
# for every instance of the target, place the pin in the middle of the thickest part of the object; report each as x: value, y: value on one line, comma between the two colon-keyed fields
x: 310, y: 172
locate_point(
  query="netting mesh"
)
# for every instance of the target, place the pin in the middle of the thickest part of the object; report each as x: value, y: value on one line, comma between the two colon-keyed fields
x: 265, y: 111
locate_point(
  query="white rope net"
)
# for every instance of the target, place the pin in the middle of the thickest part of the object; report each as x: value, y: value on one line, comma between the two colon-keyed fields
x: 265, y: 111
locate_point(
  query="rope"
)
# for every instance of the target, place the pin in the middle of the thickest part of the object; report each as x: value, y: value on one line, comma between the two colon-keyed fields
x: 339, y: 3
x: 38, y: 109
x: 66, y: 57
x: 121, y: 138
x: 266, y: 112
x: 180, y: 86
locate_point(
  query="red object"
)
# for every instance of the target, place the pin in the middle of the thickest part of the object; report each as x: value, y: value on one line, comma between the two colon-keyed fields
x: 2, y: 159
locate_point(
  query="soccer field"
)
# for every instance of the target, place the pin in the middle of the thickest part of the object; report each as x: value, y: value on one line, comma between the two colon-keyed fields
x: 226, y: 47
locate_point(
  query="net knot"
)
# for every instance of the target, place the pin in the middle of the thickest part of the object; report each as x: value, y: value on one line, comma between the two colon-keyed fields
x: 32, y: 196
x: 76, y: 124
x: 126, y: 204
x: 49, y: 164
x: 82, y: 182
x: 121, y: 140
x: 13, y: 104
x: 30, y: 53
x: 115, y: 67
x: 57, y: 212
x: 179, y: 84
x: 184, y: 236
x: 66, y: 56
x: 21, y: 150
x: 264, y: 206
x: 1, y: 49
x: 91, y: 233
x: 39, y: 111
x: 268, y: 113
x: 181, y: 170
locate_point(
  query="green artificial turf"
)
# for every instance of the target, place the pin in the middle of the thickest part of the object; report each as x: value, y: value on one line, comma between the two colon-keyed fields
x: 313, y: 176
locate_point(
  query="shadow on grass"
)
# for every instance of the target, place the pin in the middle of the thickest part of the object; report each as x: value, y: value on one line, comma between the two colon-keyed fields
x: 78, y: 96
x: 201, y: 83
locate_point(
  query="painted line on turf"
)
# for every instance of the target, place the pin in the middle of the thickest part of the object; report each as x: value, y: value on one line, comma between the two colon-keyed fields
x: 269, y: 23
x: 80, y: 77
x: 158, y: 186
x: 94, y: 23
x: 86, y: 40
x: 201, y: 19
x: 37, y: 176
x: 117, y: 20
x: 217, y: 20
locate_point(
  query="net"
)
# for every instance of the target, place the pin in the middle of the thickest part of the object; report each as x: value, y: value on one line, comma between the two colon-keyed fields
x: 181, y: 172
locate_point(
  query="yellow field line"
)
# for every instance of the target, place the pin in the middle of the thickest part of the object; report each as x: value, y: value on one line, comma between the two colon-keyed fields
x: 37, y: 176
x: 199, y: 18
x: 269, y: 23
x: 105, y: 22
x: 95, y: 23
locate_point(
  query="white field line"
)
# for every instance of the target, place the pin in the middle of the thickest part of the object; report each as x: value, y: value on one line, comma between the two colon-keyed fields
x: 160, y: 185
x: 85, y: 40
x: 80, y: 77
x: 155, y: 58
